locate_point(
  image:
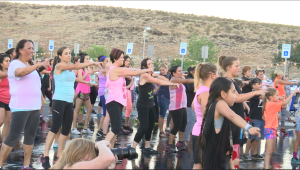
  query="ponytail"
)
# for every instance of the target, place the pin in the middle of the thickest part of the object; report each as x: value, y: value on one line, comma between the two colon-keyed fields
x: 264, y: 105
x: 197, y: 79
x: 225, y: 61
x: 202, y: 72
x: 55, y: 61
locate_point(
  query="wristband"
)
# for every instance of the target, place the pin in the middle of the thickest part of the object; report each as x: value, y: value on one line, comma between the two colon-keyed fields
x: 248, y: 127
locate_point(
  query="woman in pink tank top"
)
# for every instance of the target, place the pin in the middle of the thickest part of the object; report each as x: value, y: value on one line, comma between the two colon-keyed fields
x: 207, y: 73
x: 83, y: 95
x: 117, y: 98
x: 5, y: 112
x: 177, y: 109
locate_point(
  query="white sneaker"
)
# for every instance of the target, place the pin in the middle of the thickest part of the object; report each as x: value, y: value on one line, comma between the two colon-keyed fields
x: 55, y: 145
x: 87, y: 131
x: 75, y: 131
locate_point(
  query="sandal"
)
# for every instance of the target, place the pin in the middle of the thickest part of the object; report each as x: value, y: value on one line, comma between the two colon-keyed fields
x: 162, y: 134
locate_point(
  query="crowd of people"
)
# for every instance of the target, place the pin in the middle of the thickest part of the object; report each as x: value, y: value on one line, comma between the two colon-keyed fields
x: 213, y: 112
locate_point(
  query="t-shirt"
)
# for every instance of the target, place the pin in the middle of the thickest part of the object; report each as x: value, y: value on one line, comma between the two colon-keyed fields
x: 25, y: 91
x: 255, y: 108
x: 164, y: 90
x: 247, y: 88
x: 49, y: 68
x: 271, y: 110
x: 4, y: 91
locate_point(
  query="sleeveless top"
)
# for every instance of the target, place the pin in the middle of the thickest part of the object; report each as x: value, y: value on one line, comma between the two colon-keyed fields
x: 64, y: 84
x: 4, y: 91
x: 280, y: 88
x: 116, y: 89
x: 178, y: 98
x: 146, y: 99
x: 199, y: 115
x: 102, y: 83
x: 216, y: 145
x: 83, y: 88
x: 238, y: 108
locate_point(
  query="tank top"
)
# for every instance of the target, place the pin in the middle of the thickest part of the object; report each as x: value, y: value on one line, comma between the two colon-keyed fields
x: 146, y: 99
x: 102, y: 83
x: 64, y: 84
x: 199, y: 115
x: 280, y: 88
x: 214, y: 152
x: 116, y: 89
x: 83, y: 88
x: 4, y: 91
x: 178, y: 98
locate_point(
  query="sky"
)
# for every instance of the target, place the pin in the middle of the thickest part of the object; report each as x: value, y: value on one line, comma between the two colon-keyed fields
x: 281, y: 12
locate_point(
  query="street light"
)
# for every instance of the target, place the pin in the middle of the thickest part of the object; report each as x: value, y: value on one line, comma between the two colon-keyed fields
x: 144, y: 34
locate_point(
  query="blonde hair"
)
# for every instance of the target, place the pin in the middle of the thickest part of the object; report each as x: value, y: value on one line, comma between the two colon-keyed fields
x: 202, y: 72
x: 74, y: 152
x: 163, y: 66
x: 270, y: 92
x: 278, y: 73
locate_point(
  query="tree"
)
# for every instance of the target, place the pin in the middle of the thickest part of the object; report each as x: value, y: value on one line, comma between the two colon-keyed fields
x: 73, y: 54
x: 95, y: 51
x: 195, y: 49
x: 39, y: 53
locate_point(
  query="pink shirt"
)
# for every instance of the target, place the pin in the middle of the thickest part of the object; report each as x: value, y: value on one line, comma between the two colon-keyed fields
x: 83, y: 88
x: 116, y: 89
x: 178, y: 98
x: 25, y: 91
x: 199, y: 116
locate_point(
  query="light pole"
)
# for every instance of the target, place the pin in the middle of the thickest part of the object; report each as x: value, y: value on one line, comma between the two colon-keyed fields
x: 144, y: 34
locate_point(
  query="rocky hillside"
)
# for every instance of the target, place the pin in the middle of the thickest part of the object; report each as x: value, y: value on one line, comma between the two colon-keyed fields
x: 252, y: 42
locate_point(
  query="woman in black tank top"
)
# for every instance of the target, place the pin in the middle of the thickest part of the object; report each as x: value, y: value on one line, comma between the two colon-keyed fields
x: 145, y: 106
x: 216, y: 144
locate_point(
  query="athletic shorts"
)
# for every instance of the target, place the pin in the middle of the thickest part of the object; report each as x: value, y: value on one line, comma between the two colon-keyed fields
x: 270, y: 133
x: 5, y: 106
x: 83, y: 96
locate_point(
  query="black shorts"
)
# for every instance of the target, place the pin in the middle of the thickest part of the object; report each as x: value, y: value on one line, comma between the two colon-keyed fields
x: 5, y: 106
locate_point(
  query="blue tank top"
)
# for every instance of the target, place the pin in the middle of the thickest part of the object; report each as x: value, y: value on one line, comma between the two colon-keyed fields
x: 64, y: 86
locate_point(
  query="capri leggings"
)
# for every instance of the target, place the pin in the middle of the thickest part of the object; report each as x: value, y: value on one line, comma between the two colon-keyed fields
x: 129, y: 104
x: 62, y: 116
x: 23, y: 120
x: 179, y: 120
x: 102, y: 104
x: 147, y: 119
x: 48, y: 94
x: 132, y: 96
x: 115, y: 113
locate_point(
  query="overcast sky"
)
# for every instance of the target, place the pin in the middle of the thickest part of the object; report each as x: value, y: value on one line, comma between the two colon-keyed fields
x: 282, y: 12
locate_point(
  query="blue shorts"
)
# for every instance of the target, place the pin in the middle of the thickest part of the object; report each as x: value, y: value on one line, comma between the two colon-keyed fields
x: 163, y: 104
x: 261, y: 125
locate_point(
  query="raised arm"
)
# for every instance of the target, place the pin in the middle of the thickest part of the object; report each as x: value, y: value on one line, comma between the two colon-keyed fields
x: 240, y: 98
x: 286, y: 101
x: 129, y: 72
x: 183, y: 81
x: 148, y: 78
x: 23, y: 71
x: 277, y: 82
x: 63, y: 66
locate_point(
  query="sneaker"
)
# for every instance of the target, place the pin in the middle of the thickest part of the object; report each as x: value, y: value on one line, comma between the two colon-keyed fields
x: 128, y: 128
x: 167, y: 130
x: 170, y: 148
x: 295, y: 161
x: 45, y: 162
x: 28, y: 167
x: 181, y: 146
x: 80, y: 125
x: 42, y: 120
x: 150, y: 151
x: 275, y: 154
x: 88, y: 130
x: 93, y: 112
x: 257, y: 157
x: 55, y: 145
x: 50, y: 114
x: 99, y: 133
x: 75, y: 132
x: 124, y: 132
x: 55, y: 159
x: 245, y: 157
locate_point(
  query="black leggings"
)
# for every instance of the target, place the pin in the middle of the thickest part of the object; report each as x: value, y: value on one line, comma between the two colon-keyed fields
x: 62, y: 116
x: 47, y: 94
x: 179, y: 120
x: 93, y: 95
x: 147, y: 119
x: 114, y: 110
x: 156, y: 108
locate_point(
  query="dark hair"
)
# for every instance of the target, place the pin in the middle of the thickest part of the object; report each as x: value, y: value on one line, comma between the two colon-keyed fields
x: 99, y: 58
x: 10, y: 51
x: 224, y: 61
x: 144, y: 63
x: 50, y: 61
x: 2, y: 57
x: 245, y: 69
x: 254, y: 81
x: 217, y: 86
x: 125, y: 58
x: 239, y: 82
x: 75, y: 59
x: 203, y: 71
x: 115, y: 54
x: 82, y: 57
x: 173, y: 69
x: 57, y: 59
x: 258, y: 71
x: 270, y: 92
x: 21, y: 45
